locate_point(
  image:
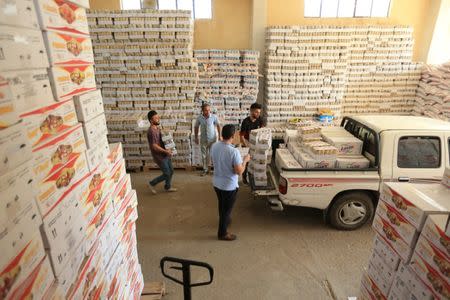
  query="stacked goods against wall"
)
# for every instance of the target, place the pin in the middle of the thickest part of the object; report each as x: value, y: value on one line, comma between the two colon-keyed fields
x: 349, y: 70
x: 144, y: 62
x: 67, y: 211
x: 433, y: 94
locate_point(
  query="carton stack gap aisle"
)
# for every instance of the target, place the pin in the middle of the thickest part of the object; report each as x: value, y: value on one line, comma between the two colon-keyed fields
x: 350, y: 70
x: 67, y: 208
x: 144, y: 62
x: 228, y: 81
x: 433, y: 94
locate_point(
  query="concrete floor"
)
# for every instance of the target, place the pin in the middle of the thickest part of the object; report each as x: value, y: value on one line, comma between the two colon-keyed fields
x: 278, y: 255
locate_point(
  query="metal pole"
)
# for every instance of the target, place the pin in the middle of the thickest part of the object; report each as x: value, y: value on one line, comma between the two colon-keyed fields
x: 187, y: 281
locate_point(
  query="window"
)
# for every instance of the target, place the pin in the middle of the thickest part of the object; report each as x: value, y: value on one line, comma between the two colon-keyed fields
x: 130, y: 4
x: 346, y: 8
x: 419, y: 152
x: 201, y: 9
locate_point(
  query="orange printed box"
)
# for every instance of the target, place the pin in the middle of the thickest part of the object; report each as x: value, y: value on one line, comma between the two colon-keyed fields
x: 62, y: 15
x: 21, y: 265
x: 36, y: 284
x: 121, y: 191
x: 51, y: 156
x: 66, y: 48
x: 116, y: 153
x: 47, y: 122
x: 97, y: 224
x: 54, y: 188
x: 69, y: 81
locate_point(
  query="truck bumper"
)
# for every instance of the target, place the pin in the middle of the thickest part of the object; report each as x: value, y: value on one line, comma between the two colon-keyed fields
x: 275, y: 203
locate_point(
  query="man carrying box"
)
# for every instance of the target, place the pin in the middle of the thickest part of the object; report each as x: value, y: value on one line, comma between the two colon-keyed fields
x: 254, y: 121
x: 161, y: 156
x: 207, y: 123
x: 228, y: 165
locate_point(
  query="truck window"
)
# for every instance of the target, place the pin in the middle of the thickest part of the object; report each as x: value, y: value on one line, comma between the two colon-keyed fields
x: 419, y: 152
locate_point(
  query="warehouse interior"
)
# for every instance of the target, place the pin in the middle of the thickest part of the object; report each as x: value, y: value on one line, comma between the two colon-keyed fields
x: 290, y: 149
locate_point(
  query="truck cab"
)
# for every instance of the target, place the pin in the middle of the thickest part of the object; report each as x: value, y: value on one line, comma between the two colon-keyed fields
x: 399, y: 148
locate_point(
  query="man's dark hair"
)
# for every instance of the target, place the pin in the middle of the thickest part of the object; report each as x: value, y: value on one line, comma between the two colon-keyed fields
x: 228, y: 131
x: 204, y: 105
x: 151, y: 114
x: 255, y: 106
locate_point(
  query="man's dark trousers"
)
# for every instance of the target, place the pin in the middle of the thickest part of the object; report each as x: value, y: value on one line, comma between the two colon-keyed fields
x: 226, y: 202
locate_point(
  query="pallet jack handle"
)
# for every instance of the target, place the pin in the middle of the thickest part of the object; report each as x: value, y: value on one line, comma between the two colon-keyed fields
x: 186, y: 270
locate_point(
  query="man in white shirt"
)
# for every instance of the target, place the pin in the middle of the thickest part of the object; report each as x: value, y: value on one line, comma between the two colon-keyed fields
x: 207, y: 123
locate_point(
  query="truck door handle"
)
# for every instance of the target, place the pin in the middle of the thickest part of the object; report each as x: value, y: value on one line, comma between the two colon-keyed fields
x: 403, y: 179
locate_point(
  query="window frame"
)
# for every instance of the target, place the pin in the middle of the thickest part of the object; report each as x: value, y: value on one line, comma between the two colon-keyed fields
x: 423, y: 137
x: 354, y: 11
x: 193, y: 9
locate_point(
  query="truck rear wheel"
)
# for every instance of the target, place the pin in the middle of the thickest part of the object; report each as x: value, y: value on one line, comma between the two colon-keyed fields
x: 351, y: 211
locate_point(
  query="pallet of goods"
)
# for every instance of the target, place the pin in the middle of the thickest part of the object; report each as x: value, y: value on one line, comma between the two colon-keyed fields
x: 313, y: 67
x: 68, y: 210
x: 410, y: 258
x: 144, y: 62
x: 433, y: 94
x: 228, y: 81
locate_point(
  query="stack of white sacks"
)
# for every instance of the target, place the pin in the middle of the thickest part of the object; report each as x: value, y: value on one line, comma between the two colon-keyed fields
x: 228, y: 80
x: 314, y: 146
x: 261, y: 154
x: 433, y: 94
x: 411, y: 254
x: 365, y: 69
x: 144, y: 62
x: 67, y: 208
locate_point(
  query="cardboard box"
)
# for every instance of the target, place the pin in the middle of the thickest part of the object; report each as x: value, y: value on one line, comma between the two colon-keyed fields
x: 377, y: 265
x: 36, y: 284
x: 56, y: 187
x: 406, y: 230
x: 352, y: 162
x: 55, y: 292
x: 62, y: 15
x: 19, y: 13
x: 434, y: 231
x: 89, y: 105
x: 430, y: 277
x: 16, y: 188
x: 347, y: 145
x: 47, y: 122
x: 121, y: 191
x: 95, y: 130
x: 309, y: 162
x: 69, y: 81
x: 438, y: 259
x: 416, y: 201
x: 116, y: 153
x: 21, y: 48
x: 384, y: 250
x: 99, y: 154
x: 94, y: 190
x: 63, y: 230
x: 407, y: 285
x: 108, y: 239
x: 66, y: 48
x: 374, y: 287
x: 117, y: 172
x: 89, y: 275
x: 21, y: 91
x: 284, y: 159
x: 21, y: 265
x: 51, y: 156
x: 384, y: 228
x: 14, y: 148
x: 67, y: 276
x: 97, y: 224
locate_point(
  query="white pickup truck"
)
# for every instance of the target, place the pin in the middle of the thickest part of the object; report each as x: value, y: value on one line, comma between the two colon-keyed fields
x: 400, y: 148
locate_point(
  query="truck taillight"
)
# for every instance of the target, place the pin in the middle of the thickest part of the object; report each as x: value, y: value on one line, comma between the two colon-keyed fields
x: 282, y: 186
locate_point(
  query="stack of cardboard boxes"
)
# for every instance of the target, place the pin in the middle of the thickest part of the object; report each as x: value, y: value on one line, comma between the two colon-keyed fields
x: 410, y: 259
x: 433, y: 94
x: 228, y: 80
x: 261, y: 154
x: 62, y: 187
x: 314, y: 67
x: 144, y: 62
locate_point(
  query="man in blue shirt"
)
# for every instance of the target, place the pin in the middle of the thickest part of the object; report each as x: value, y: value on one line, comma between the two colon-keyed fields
x: 207, y: 123
x: 228, y: 165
